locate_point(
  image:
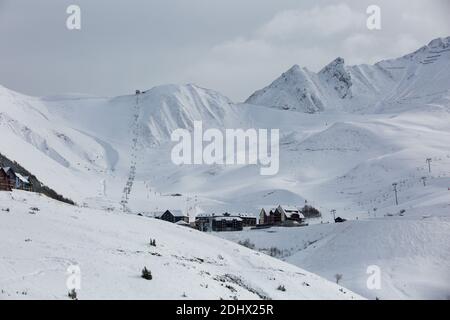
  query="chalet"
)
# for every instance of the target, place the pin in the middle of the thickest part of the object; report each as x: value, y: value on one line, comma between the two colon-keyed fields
x: 281, y: 215
x: 266, y: 216
x: 173, y: 216
x: 291, y: 213
x: 5, y: 183
x: 16, y: 180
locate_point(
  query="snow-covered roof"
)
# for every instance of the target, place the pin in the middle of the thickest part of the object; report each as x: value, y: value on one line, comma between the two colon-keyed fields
x: 287, y: 208
x: 204, y: 215
x: 210, y: 215
x: 22, y: 178
x: 225, y: 215
x: 267, y: 209
x: 246, y: 215
x: 156, y: 214
x: 177, y: 213
x: 227, y: 218
x: 182, y: 223
x: 300, y: 215
x: 291, y: 210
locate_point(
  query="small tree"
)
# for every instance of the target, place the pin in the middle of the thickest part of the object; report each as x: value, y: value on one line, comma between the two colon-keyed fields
x: 281, y: 288
x: 338, y: 277
x: 146, y: 274
x: 73, y: 294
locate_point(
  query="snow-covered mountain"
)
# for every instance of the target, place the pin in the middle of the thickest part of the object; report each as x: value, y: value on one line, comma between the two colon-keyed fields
x: 360, y: 129
x: 422, y: 77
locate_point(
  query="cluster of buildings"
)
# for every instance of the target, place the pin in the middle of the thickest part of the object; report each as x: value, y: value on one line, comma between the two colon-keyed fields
x: 270, y: 216
x: 208, y: 222
x: 9, y: 179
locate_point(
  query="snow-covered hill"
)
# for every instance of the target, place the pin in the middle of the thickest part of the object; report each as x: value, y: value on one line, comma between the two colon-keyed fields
x: 360, y: 130
x: 41, y: 238
x: 411, y: 252
x: 416, y: 79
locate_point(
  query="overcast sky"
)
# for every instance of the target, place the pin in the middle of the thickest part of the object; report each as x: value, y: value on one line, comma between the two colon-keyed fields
x: 232, y: 46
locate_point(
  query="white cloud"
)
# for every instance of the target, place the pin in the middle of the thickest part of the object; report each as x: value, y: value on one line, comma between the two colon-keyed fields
x: 363, y: 48
x: 317, y: 21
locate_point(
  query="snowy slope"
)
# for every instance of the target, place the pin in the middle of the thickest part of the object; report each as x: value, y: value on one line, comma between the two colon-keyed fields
x: 422, y: 77
x: 40, y: 239
x: 411, y: 253
x: 87, y: 148
x: 33, y: 136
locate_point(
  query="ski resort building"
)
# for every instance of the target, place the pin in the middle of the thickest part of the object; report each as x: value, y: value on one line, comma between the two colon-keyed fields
x: 248, y: 220
x: 173, y: 216
x: 267, y: 216
x: 5, y: 183
x: 281, y: 215
x: 227, y: 223
x: 224, y: 222
x: 9, y: 179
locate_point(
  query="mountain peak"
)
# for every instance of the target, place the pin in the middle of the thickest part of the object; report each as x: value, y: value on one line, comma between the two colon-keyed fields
x: 295, y: 71
x: 335, y: 74
x: 440, y: 43
x: 336, y: 63
x: 294, y: 68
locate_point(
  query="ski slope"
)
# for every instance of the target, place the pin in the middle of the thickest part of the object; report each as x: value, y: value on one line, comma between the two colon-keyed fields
x: 41, y: 238
x: 411, y: 253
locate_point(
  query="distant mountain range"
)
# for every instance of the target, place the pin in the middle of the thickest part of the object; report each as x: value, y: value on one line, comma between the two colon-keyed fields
x: 387, y: 86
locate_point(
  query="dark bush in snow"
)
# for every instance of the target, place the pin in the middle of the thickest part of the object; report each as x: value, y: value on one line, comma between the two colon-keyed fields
x: 73, y: 294
x: 146, y: 274
x: 281, y: 288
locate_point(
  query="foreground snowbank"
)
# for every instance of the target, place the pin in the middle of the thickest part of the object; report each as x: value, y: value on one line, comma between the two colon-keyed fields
x: 41, y: 238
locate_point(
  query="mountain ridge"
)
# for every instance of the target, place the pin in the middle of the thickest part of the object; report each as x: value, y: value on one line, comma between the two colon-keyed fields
x: 362, y: 88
